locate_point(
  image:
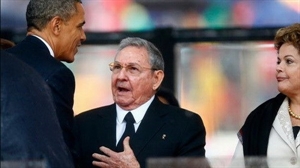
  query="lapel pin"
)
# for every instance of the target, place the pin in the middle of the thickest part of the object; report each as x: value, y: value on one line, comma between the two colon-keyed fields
x: 164, y: 136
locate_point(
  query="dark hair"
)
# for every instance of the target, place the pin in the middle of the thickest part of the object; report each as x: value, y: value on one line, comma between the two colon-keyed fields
x: 168, y: 95
x: 40, y: 12
x: 290, y: 35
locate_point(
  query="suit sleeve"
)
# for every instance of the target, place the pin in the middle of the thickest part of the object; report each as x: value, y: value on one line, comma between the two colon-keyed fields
x: 193, y: 141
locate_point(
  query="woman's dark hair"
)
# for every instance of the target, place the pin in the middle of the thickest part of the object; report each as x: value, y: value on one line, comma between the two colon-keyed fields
x: 290, y: 35
x: 168, y: 95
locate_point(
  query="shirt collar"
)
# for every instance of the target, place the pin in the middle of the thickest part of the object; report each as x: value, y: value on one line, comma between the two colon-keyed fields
x: 48, y: 46
x: 137, y: 113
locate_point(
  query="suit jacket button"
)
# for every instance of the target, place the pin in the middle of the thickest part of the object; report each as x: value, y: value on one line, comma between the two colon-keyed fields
x: 293, y: 160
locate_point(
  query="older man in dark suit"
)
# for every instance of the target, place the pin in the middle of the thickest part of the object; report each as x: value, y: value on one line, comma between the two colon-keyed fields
x: 29, y: 126
x: 155, y: 129
x: 53, y: 34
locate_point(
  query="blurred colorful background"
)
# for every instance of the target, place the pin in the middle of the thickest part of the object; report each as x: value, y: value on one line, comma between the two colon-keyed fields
x: 118, y: 15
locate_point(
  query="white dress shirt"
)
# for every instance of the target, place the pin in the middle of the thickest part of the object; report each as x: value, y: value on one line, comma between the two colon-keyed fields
x: 138, y: 115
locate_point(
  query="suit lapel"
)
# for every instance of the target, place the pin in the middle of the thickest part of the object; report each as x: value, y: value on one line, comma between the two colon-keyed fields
x: 282, y: 122
x: 150, y: 125
x: 106, y: 128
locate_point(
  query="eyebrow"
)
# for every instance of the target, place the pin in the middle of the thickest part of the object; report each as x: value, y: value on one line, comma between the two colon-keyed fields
x: 81, y: 24
x: 285, y: 57
x: 289, y: 55
x: 130, y: 63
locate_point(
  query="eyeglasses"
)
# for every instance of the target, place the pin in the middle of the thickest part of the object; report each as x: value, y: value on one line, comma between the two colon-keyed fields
x: 132, y: 69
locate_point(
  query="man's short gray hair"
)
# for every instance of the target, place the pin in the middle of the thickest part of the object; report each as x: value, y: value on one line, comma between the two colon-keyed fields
x: 40, y: 12
x: 155, y: 56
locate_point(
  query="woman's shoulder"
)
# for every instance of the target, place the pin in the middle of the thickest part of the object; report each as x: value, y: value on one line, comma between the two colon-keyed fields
x: 269, y: 108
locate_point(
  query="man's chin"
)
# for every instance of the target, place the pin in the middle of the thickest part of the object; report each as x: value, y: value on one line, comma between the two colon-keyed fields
x: 124, y: 103
x: 69, y: 60
x: 66, y: 59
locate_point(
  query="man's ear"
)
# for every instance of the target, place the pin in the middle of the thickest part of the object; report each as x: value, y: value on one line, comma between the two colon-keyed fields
x: 56, y: 25
x: 158, y: 78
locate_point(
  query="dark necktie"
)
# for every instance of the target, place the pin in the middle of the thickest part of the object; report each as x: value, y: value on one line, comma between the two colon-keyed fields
x: 129, y: 131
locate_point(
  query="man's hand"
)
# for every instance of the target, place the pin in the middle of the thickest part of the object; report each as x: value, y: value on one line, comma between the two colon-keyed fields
x: 112, y: 159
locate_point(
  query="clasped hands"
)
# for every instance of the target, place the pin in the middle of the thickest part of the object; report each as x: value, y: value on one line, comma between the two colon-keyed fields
x: 112, y: 159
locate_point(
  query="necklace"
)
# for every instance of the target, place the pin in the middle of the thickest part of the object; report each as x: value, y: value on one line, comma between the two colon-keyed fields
x: 293, y: 114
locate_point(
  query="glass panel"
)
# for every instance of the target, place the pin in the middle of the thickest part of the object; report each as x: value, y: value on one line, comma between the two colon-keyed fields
x: 248, y: 162
x: 92, y: 76
x: 223, y: 83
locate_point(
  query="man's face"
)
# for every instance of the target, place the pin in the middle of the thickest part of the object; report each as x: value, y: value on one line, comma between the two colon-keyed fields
x: 71, y: 36
x: 136, y: 84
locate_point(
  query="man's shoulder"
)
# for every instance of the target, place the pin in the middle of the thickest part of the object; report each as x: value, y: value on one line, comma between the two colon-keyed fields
x: 33, y: 51
x: 39, y: 58
x: 103, y: 110
x: 178, y: 113
x: 10, y: 63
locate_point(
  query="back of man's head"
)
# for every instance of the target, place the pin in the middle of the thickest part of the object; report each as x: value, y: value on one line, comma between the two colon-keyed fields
x: 40, y: 12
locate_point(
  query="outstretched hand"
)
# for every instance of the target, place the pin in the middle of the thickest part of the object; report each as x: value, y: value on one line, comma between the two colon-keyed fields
x: 112, y: 159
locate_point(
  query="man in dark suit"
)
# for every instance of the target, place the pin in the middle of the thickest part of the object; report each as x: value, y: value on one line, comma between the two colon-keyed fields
x: 158, y: 130
x: 29, y: 126
x: 53, y: 34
